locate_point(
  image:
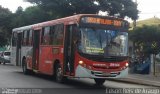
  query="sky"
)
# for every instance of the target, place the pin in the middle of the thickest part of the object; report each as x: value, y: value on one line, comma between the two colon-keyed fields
x: 14, y: 4
x: 147, y: 8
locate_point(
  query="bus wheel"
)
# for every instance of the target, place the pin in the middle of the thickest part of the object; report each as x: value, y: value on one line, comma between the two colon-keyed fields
x: 59, y: 75
x: 99, y: 82
x: 24, y: 67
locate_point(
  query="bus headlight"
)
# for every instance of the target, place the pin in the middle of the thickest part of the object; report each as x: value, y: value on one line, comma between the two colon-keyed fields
x: 80, y: 62
x: 124, y: 67
x: 127, y: 64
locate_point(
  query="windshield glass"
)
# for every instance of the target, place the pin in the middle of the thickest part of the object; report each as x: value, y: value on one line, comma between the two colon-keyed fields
x: 103, y: 42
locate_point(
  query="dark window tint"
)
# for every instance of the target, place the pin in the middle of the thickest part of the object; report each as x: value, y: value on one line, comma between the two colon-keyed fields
x: 30, y: 37
x: 58, y: 35
x: 45, y: 36
x: 14, y: 39
x: 25, y: 37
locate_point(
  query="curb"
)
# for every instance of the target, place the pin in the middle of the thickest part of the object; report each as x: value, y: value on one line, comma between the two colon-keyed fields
x: 137, y: 81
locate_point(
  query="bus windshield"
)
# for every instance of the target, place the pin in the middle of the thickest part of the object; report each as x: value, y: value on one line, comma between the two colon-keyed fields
x: 103, y: 42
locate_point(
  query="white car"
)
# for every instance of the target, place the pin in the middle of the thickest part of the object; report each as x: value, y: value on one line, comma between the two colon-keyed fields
x: 5, y: 57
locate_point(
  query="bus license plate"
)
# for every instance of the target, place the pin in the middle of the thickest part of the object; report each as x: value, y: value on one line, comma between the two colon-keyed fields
x: 106, y: 73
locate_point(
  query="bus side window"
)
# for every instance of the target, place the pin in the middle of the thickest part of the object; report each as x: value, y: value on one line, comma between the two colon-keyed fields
x: 58, y: 35
x: 42, y: 36
x: 76, y: 33
x: 14, y: 39
x: 27, y: 38
x: 45, y: 38
x: 30, y: 37
x: 24, y: 38
x: 52, y: 31
x: 22, y: 42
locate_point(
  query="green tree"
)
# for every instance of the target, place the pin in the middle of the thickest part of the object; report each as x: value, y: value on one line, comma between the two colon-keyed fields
x: 62, y: 8
x: 147, y: 42
x: 5, y: 27
x: 18, y: 18
x: 146, y: 39
x: 34, y: 15
x: 30, y: 15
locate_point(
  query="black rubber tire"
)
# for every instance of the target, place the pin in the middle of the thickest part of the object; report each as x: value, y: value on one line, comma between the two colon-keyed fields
x: 99, y: 82
x: 59, y: 74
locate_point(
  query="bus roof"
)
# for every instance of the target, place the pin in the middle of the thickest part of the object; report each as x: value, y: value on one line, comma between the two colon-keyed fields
x: 52, y: 22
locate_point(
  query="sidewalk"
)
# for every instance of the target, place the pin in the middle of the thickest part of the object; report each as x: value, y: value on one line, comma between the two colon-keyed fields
x: 148, y: 80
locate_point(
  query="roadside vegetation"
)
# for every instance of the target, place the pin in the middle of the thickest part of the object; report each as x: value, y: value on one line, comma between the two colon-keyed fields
x: 146, y: 37
x: 44, y: 10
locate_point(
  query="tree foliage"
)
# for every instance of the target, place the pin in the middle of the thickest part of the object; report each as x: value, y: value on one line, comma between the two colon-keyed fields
x: 21, y: 17
x: 51, y: 9
x: 31, y: 15
x: 146, y: 39
x: 5, y: 27
x: 62, y: 8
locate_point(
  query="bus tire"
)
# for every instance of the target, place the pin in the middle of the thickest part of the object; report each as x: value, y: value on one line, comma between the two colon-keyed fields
x: 59, y: 74
x: 24, y: 67
x: 99, y: 82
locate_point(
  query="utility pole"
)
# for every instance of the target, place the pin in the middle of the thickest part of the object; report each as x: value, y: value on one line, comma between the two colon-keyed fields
x: 154, y: 65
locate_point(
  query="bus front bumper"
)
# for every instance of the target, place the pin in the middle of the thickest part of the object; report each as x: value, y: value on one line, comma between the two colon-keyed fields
x: 82, y: 72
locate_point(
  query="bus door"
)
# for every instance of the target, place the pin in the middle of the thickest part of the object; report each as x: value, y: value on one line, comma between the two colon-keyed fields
x: 69, y: 50
x: 36, y: 40
x: 18, y: 49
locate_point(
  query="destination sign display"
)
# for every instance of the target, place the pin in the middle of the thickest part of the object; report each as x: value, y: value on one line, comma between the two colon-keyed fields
x: 110, y: 22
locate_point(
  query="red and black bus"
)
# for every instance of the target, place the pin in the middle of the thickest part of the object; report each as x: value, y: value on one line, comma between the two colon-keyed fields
x: 80, y: 46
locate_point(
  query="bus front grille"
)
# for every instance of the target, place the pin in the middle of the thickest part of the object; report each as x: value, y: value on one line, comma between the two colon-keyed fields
x: 105, y: 74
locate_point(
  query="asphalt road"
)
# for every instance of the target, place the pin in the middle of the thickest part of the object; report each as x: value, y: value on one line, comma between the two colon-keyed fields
x: 12, y: 77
